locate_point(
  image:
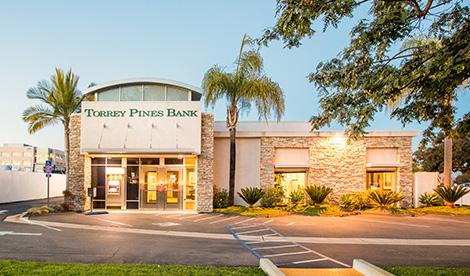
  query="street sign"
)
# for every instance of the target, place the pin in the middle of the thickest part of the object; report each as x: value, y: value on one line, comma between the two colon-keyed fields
x: 48, y: 168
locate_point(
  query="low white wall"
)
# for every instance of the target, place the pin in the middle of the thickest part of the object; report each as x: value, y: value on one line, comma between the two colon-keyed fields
x: 424, y: 182
x: 20, y: 186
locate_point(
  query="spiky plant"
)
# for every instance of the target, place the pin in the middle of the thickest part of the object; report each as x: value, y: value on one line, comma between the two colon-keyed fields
x: 429, y: 200
x: 451, y: 194
x: 317, y: 193
x: 251, y: 195
x: 385, y: 199
x: 296, y: 197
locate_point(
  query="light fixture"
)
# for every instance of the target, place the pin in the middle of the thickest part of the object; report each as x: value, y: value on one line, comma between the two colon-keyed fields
x: 114, y: 170
x: 338, y: 139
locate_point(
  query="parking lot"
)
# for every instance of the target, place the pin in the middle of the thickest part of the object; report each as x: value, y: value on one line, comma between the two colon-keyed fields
x: 190, y: 238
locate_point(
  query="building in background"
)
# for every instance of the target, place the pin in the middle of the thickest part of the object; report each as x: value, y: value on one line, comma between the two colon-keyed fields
x: 23, y: 157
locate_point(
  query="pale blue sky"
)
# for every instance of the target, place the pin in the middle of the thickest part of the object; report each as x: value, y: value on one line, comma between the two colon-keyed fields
x: 180, y: 40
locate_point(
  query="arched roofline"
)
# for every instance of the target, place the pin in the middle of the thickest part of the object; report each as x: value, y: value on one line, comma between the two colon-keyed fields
x: 110, y: 84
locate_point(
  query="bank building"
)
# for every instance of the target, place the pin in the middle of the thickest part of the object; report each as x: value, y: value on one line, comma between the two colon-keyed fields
x: 146, y: 144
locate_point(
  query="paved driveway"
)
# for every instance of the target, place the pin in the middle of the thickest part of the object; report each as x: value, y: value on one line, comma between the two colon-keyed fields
x: 293, y: 241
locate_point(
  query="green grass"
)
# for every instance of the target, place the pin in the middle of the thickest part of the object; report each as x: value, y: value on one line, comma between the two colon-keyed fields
x: 255, y: 211
x: 8, y: 267
x: 428, y: 271
x: 442, y: 210
x: 323, y: 210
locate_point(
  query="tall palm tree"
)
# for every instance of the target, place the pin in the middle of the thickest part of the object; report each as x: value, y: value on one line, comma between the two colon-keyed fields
x: 245, y: 86
x: 59, y: 98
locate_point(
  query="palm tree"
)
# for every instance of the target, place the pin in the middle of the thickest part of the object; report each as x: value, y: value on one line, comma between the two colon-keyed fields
x: 241, y: 88
x: 60, y: 99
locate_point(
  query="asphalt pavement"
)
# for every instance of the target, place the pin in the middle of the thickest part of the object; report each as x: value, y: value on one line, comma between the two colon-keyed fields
x: 216, y: 239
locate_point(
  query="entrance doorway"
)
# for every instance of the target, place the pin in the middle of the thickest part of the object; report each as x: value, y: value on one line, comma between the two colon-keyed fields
x: 162, y: 188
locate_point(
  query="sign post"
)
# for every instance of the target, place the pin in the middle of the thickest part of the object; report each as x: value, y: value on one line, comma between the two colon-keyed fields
x: 91, y: 194
x: 48, y: 169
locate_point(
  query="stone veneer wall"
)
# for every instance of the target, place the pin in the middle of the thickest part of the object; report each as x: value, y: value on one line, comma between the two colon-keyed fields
x: 341, y: 167
x: 79, y: 169
x: 205, y: 165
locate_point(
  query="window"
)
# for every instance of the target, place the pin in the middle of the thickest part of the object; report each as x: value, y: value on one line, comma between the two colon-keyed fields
x: 131, y: 93
x: 27, y: 154
x: 16, y: 154
x: 173, y: 161
x: 381, y: 180
x: 176, y: 94
x: 109, y: 95
x: 6, y: 154
x: 290, y: 181
x: 154, y: 93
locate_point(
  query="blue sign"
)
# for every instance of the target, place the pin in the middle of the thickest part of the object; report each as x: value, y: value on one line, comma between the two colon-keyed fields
x: 48, y: 168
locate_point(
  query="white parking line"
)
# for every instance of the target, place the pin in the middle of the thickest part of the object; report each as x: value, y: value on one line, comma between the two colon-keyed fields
x: 287, y: 254
x: 210, y: 217
x: 3, y: 212
x: 290, y: 223
x: 225, y: 219
x: 274, y: 247
x: 390, y: 222
x: 269, y: 221
x: 310, y: 261
x: 114, y: 222
x: 191, y: 216
x: 175, y: 215
x: 243, y: 221
x: 253, y: 231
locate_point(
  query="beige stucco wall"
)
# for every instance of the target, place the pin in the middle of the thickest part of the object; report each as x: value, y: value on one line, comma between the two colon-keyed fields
x: 341, y: 166
x: 247, y: 164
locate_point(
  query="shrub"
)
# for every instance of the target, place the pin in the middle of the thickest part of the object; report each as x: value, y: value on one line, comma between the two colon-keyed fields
x: 451, y: 194
x: 296, y: 197
x: 429, y: 200
x: 272, y: 196
x: 220, y: 199
x: 251, y: 195
x: 317, y: 193
x: 355, y: 201
x: 385, y: 199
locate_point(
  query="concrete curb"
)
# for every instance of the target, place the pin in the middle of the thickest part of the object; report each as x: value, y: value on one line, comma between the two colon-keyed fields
x: 269, y: 268
x: 369, y: 269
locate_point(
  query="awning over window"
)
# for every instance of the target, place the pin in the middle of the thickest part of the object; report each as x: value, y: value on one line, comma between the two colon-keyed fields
x: 291, y: 158
x: 382, y: 157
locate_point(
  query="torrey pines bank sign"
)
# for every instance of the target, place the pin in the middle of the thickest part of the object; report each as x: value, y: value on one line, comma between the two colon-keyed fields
x: 141, y: 127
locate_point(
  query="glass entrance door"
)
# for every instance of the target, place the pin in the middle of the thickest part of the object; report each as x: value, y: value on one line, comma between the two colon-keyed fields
x: 162, y: 188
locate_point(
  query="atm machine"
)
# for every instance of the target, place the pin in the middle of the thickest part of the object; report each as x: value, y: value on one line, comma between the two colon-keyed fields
x: 115, y: 187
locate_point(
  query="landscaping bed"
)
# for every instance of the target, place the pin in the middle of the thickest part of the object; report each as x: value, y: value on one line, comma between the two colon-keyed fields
x: 9, y: 267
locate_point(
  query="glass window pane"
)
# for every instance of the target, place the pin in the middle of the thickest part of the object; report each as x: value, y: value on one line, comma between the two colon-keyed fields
x: 132, y: 183
x: 150, y: 161
x: 114, y: 161
x: 173, y: 161
x: 109, y: 95
x: 132, y: 161
x: 154, y: 93
x: 99, y: 160
x: 176, y: 94
x: 131, y: 93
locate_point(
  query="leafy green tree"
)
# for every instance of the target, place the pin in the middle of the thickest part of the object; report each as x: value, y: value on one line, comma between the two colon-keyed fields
x: 429, y: 156
x: 411, y: 53
x: 59, y: 99
x: 245, y: 86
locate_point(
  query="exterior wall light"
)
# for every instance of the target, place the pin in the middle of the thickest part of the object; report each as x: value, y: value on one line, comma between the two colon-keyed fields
x: 338, y: 140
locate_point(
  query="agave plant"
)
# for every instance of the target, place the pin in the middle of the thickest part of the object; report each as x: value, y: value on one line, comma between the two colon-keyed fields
x: 429, y: 200
x: 251, y: 195
x: 451, y: 194
x: 296, y: 197
x: 385, y: 199
x: 317, y: 193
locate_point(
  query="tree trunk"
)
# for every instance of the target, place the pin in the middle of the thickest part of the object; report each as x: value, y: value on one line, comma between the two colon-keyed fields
x: 448, y: 161
x: 67, y: 154
x: 233, y: 156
